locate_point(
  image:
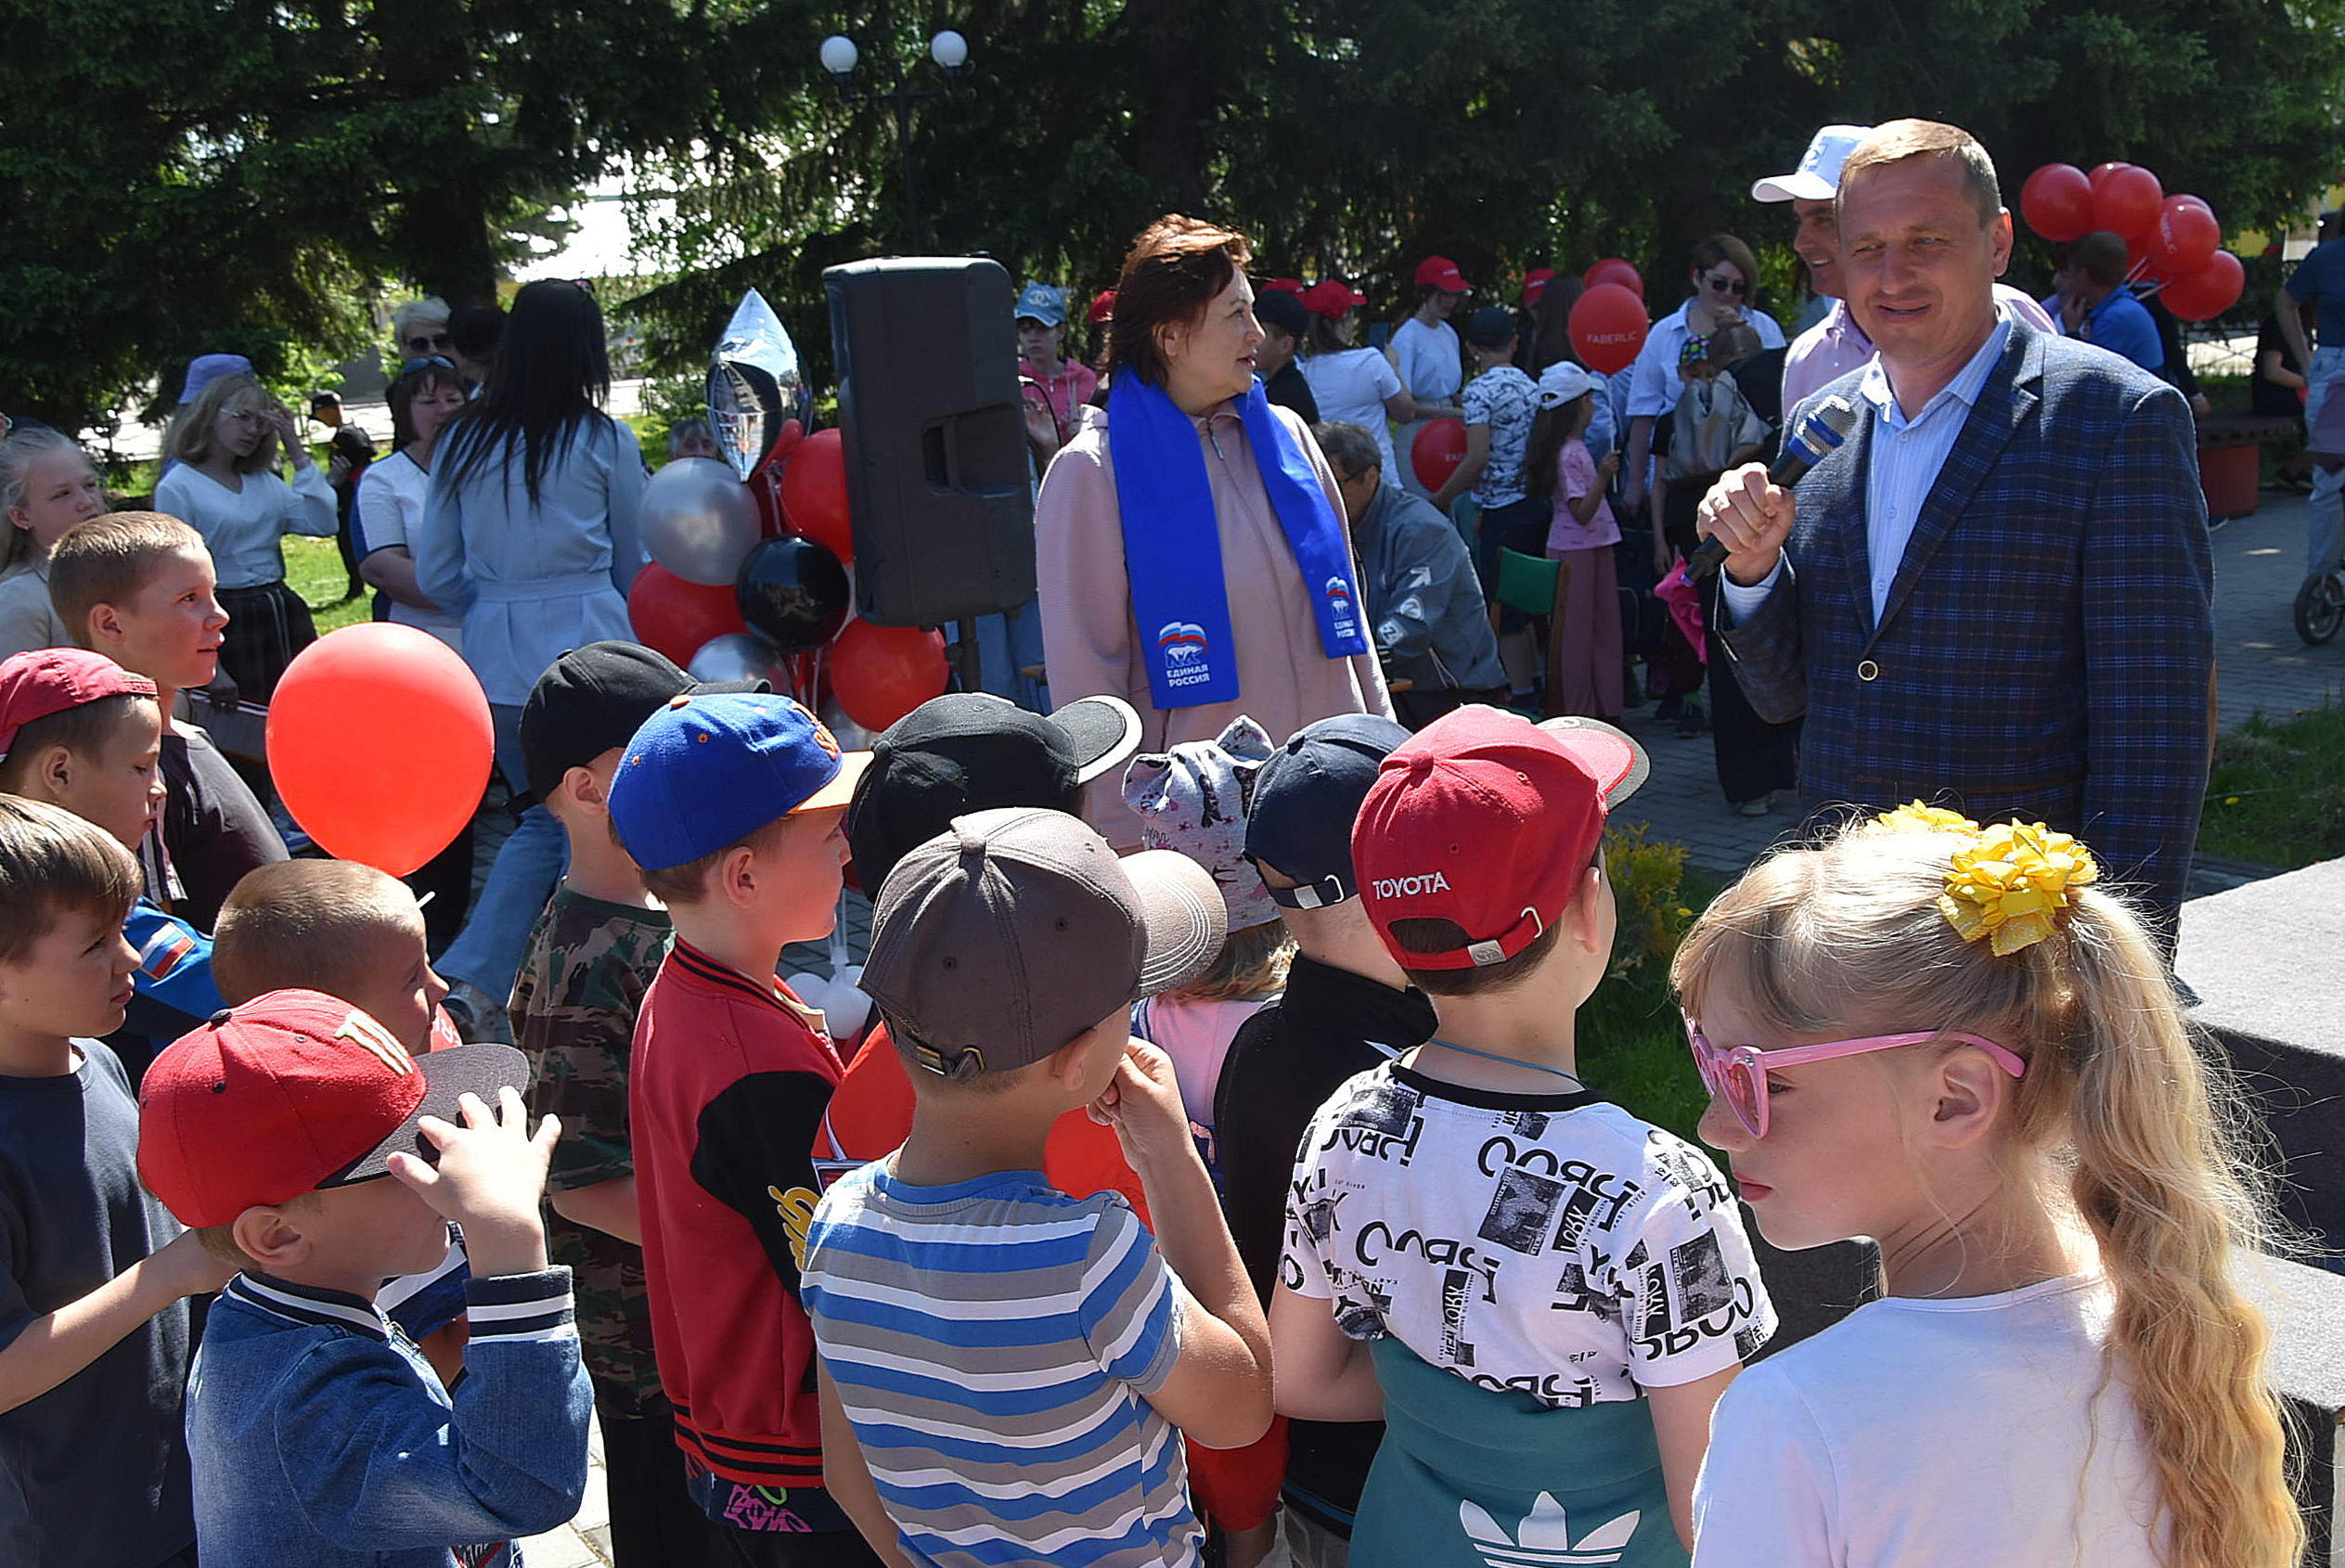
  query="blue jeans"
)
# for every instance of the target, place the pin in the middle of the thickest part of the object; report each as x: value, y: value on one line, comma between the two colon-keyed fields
x: 2325, y: 514
x: 489, y: 951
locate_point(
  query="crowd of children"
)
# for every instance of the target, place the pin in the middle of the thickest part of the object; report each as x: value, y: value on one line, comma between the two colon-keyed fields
x: 1242, y: 1193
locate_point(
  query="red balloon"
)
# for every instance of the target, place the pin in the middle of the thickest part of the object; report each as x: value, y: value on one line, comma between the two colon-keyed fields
x: 1438, y: 450
x: 879, y: 674
x: 1608, y: 327
x: 379, y: 742
x: 679, y: 618
x: 2208, y: 292
x: 1612, y: 269
x: 814, y: 492
x: 2127, y: 202
x: 2058, y: 202
x: 2186, y: 236
x: 2101, y: 172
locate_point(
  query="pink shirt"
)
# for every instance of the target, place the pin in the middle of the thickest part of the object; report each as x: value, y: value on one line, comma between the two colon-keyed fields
x: 1091, y: 645
x: 1836, y: 345
x: 1576, y: 472
x: 1065, y: 393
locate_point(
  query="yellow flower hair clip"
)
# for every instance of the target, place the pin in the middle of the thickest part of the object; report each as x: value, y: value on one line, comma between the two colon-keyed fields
x: 1915, y: 817
x: 2011, y: 882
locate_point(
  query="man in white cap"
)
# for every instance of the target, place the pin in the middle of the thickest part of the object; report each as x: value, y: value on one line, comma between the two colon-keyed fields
x: 1836, y: 345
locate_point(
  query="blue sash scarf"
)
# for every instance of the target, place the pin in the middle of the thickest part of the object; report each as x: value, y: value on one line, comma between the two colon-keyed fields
x: 1172, y: 546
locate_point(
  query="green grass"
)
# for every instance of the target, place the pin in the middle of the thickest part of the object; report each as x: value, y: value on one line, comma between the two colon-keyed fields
x: 314, y: 569
x: 2276, y: 795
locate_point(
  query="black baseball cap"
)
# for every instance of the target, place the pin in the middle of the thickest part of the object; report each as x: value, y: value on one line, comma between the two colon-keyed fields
x: 1276, y: 307
x: 968, y: 752
x: 1305, y: 799
x: 1490, y: 327
x: 594, y: 699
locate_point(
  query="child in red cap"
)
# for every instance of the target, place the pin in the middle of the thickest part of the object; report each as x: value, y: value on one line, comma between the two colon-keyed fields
x: 1544, y: 1295
x: 298, y: 1138
x: 77, y: 730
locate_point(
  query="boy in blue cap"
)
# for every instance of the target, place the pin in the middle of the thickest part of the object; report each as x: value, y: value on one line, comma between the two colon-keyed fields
x: 733, y: 805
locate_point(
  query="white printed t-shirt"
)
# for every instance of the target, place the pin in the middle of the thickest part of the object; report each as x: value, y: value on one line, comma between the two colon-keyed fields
x: 1947, y: 1434
x: 1552, y: 1245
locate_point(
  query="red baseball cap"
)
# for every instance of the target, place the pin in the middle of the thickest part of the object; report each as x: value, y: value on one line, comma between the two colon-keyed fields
x: 292, y: 1092
x: 1439, y: 271
x: 1490, y: 821
x: 1283, y: 284
x: 1332, y: 296
x: 51, y: 680
x: 1103, y: 307
x: 1535, y: 284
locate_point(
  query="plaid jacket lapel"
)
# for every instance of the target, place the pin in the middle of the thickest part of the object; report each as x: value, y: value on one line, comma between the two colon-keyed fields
x: 2004, y: 401
x: 1856, y: 544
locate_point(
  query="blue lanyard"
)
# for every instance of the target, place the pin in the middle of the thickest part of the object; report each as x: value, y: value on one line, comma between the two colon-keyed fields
x: 1509, y: 1061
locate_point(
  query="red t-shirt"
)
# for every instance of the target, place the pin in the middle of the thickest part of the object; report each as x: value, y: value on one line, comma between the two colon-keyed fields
x: 870, y: 1114
x: 727, y: 1086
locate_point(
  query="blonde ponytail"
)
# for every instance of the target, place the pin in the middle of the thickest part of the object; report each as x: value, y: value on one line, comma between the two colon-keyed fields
x: 2116, y: 1096
x: 2158, y: 1176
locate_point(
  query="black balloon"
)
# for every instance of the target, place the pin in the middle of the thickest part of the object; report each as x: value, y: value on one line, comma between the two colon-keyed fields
x: 795, y: 593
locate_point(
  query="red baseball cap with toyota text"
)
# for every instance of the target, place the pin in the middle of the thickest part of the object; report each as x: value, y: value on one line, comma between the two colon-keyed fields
x: 1487, y: 820
x: 292, y: 1092
x: 47, y: 681
x: 1439, y: 271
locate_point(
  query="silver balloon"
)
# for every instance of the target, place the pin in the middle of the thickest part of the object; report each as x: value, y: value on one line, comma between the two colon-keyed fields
x: 698, y: 520
x: 736, y: 656
x: 754, y: 385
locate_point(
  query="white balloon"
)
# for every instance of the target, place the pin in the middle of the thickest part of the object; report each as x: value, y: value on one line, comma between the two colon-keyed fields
x: 736, y: 656
x: 698, y: 520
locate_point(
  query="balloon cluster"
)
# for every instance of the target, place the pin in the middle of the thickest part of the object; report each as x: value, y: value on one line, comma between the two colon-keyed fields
x: 2174, y: 241
x: 750, y: 565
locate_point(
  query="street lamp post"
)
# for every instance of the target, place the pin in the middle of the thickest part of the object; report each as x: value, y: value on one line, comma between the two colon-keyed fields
x: 841, y: 57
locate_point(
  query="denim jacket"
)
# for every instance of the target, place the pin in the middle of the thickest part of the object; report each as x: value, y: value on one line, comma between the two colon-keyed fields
x: 320, y: 1437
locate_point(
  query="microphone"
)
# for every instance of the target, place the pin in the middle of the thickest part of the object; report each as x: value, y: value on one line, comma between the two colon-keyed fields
x: 1820, y: 432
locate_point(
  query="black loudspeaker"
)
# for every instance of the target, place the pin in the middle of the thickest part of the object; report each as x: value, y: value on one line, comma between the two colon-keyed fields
x: 927, y: 356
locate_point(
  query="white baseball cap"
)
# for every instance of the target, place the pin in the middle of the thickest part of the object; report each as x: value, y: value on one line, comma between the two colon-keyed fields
x: 1818, y: 176
x: 1563, y: 381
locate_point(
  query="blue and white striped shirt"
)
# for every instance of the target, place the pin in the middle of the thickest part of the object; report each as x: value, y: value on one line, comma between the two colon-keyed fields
x: 993, y: 1344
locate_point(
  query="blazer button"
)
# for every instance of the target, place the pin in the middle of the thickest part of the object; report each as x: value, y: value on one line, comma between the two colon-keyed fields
x: 1868, y: 671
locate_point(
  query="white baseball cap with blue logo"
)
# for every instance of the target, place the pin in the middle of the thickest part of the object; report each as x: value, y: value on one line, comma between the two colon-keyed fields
x: 1818, y: 176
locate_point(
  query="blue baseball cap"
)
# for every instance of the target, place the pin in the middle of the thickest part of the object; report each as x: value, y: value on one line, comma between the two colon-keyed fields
x: 1039, y: 302
x: 1305, y: 799
x: 709, y: 769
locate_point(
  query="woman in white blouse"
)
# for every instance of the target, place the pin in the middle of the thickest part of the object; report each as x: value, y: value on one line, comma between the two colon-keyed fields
x: 1354, y: 384
x: 1725, y: 278
x: 224, y: 486
x: 391, y: 495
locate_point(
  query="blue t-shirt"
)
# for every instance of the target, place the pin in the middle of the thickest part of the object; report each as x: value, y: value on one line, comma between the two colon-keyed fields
x: 93, y: 1473
x: 994, y: 1342
x: 2121, y: 324
x: 2320, y: 278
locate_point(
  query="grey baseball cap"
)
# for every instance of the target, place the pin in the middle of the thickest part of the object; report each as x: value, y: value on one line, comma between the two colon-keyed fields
x: 1014, y: 930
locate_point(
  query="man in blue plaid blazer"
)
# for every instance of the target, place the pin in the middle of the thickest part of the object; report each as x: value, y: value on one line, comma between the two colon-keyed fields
x: 1997, y: 595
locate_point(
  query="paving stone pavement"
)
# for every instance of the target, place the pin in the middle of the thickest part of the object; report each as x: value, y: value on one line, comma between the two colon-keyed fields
x: 2259, y: 562
x: 2261, y: 665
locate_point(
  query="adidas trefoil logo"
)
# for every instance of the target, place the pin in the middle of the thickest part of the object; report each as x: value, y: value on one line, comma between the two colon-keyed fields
x: 1545, y: 1540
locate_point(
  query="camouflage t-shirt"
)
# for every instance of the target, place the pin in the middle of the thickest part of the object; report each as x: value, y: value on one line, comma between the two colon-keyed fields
x: 574, y: 1013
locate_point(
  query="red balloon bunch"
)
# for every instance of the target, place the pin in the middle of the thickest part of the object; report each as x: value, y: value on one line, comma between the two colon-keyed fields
x: 2175, y: 243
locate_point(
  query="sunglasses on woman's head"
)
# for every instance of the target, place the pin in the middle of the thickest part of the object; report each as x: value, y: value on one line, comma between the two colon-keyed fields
x: 1737, y: 1074
x: 1735, y: 286
x: 426, y: 362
